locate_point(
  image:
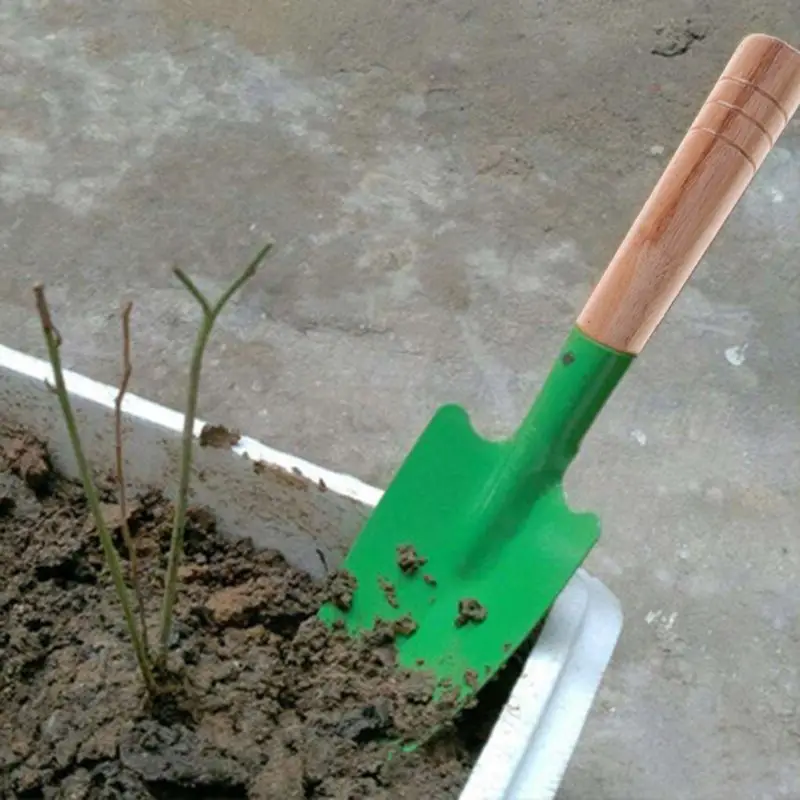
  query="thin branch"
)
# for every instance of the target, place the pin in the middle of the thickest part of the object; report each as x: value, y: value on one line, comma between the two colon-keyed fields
x: 193, y: 290
x: 210, y: 314
x: 248, y: 273
x: 50, y: 331
x: 133, y: 556
x: 53, y: 341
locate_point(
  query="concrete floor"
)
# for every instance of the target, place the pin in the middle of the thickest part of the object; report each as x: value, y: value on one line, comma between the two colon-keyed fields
x: 445, y: 181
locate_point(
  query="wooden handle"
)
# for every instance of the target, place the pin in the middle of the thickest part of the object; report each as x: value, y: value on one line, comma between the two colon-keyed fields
x: 747, y: 110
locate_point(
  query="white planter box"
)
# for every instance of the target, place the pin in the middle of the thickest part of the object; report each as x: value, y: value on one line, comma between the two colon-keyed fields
x: 311, y: 515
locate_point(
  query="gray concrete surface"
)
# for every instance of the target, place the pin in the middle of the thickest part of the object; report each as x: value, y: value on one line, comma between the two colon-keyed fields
x: 445, y: 181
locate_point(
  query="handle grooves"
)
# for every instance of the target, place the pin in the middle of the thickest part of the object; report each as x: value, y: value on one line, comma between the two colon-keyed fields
x: 743, y: 116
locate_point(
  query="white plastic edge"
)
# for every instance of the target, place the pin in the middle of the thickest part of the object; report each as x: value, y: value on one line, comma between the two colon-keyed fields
x: 138, y: 408
x: 533, y: 740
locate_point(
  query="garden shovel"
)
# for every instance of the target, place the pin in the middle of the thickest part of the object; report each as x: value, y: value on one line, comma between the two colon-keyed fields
x: 473, y: 540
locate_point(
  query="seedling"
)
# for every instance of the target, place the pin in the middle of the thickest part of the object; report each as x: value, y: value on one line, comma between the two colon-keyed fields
x: 150, y: 665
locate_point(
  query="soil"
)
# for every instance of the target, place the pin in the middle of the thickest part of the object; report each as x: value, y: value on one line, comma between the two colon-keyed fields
x: 470, y: 610
x: 390, y: 592
x: 409, y: 560
x: 264, y: 701
x: 219, y: 436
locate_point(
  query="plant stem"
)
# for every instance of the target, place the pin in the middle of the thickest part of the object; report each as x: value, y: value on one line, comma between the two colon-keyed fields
x: 210, y: 314
x: 53, y: 342
x: 133, y: 557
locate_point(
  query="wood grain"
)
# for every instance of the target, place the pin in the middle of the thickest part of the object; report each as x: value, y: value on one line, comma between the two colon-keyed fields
x: 751, y: 104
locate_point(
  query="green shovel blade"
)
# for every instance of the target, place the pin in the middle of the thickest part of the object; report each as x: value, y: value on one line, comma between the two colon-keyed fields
x: 491, y: 523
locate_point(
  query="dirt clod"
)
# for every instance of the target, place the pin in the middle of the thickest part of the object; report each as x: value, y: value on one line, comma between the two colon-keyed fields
x: 265, y: 701
x: 390, y: 592
x: 409, y: 560
x: 24, y: 455
x: 341, y: 586
x: 429, y: 579
x: 405, y: 626
x: 290, y: 478
x: 470, y: 610
x: 218, y: 436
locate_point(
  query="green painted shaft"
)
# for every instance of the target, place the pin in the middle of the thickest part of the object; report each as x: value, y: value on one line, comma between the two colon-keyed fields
x: 536, y: 457
x: 581, y: 380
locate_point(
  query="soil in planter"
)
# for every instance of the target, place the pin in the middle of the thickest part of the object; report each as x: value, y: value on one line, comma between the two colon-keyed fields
x: 267, y: 702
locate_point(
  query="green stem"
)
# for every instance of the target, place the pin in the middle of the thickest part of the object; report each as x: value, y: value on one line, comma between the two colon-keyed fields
x: 210, y: 314
x: 53, y: 342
